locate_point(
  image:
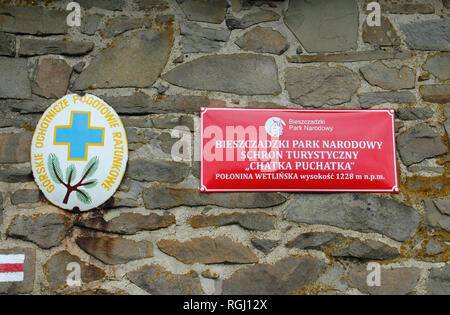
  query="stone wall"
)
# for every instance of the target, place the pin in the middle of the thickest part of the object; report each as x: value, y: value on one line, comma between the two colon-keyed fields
x: 156, y: 62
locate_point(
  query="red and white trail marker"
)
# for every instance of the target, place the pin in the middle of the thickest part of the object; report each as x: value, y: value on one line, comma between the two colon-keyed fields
x: 11, y: 268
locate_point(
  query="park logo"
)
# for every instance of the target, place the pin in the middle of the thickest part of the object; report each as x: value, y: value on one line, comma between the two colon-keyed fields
x: 79, y: 152
x: 274, y: 126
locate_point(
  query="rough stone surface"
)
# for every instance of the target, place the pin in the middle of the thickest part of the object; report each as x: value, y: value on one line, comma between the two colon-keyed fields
x: 322, y: 26
x: 143, y: 169
x: 311, y: 240
x: 16, y: 175
x: 7, y: 45
x: 160, y: 197
x: 52, y: 78
x: 286, y: 276
x: 439, y: 66
x: 114, y: 250
x: 439, y: 282
x: 32, y: 20
x: 364, y: 213
x: 380, y: 75
x: 108, y: 69
x: 413, y: 113
x: 243, y: 74
x: 14, y: 81
x: 127, y: 223
x: 350, y: 56
x: 428, y: 35
x: 398, y: 281
x: 368, y: 100
x: 158, y: 281
x: 257, y: 221
x: 25, y: 196
x: 392, y: 7
x: 36, y: 47
x: 35, y: 105
x: 263, y: 40
x: 56, y: 271
x: 1, y: 208
x: 116, y: 5
x: 381, y: 36
x: 15, y: 147
x: 26, y: 286
x: 46, y: 230
x: 196, y: 38
x: 265, y: 246
x: 437, y: 214
x: 419, y: 143
x: 90, y: 23
x: 251, y: 19
x: 318, y: 86
x: 211, y: 11
x: 206, y: 250
x: 434, y: 247
x: 439, y: 93
x: 120, y: 24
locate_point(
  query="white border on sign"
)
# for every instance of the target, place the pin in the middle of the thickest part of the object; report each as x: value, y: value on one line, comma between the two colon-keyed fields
x: 390, y: 112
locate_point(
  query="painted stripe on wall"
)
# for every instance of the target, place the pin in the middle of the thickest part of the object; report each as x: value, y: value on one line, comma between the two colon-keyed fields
x: 12, y: 259
x: 11, y: 267
x: 11, y: 277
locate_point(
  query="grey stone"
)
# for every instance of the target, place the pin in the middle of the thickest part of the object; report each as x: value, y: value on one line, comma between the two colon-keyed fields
x: 127, y: 223
x: 7, y: 45
x: 171, y: 121
x: 15, y: 147
x: 25, y: 196
x: 264, y: 245
x: 149, y: 279
x: 35, y: 105
x: 35, y: 47
x: 398, y: 281
x: 16, y: 175
x: 250, y: 19
x: 120, y: 24
x: 1, y: 209
x: 413, y: 113
x: 428, y: 35
x: 90, y: 23
x: 46, y: 230
x: 439, y: 281
x: 160, y: 197
x: 323, y: 85
x: 286, y: 276
x: 78, y: 67
x: 324, y: 26
x: 437, y: 214
x: 32, y: 20
x: 380, y: 75
x: 351, y: 56
x: 435, y: 170
x: 143, y: 169
x: 108, y: 69
x: 201, y: 39
x: 446, y: 3
x: 437, y: 93
x: 359, y: 212
x: 55, y: 270
x: 114, y: 250
x: 14, y: 81
x: 52, y: 78
x: 244, y: 74
x: 368, y: 100
x: 311, y: 240
x: 207, y: 250
x: 263, y: 40
x: 419, y: 143
x: 439, y: 65
x: 151, y: 4
x: 443, y: 205
x: 405, y: 8
x: 211, y: 11
x: 434, y: 248
x: 116, y: 5
x: 256, y: 221
x: 381, y: 36
x: 27, y: 285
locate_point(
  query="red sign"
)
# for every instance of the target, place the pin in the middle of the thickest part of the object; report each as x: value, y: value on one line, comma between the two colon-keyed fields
x: 246, y: 149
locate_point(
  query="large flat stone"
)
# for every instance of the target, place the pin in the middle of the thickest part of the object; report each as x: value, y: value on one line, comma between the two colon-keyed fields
x: 428, y: 35
x: 52, y: 78
x: 381, y: 36
x: 359, y: 212
x: 263, y: 40
x: 437, y: 214
x: 439, y: 281
x: 439, y: 65
x: 436, y: 93
x: 32, y: 20
x: 378, y: 74
x: 206, y: 250
x: 324, y: 26
x: 244, y: 74
x: 27, y: 285
x: 288, y: 275
x: 116, y: 5
x: 160, y: 197
x: 251, y: 19
x: 370, y: 99
x: 134, y: 60
x: 120, y: 24
x: 143, y: 169
x: 14, y: 81
x: 323, y: 85
x: 211, y: 11
x: 36, y: 47
x: 196, y: 38
x: 350, y: 56
x: 15, y: 147
x: 257, y: 221
x: 7, y: 45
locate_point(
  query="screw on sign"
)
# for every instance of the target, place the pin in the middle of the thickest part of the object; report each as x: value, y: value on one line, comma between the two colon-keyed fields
x: 79, y: 152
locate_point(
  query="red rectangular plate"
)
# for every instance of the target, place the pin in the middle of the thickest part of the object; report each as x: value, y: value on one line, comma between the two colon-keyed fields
x: 249, y: 149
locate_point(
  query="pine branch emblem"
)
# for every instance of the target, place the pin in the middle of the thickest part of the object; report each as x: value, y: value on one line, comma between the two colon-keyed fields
x: 70, y: 174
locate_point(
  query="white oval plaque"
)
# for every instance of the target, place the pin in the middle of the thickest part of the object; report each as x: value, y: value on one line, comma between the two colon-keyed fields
x: 79, y: 152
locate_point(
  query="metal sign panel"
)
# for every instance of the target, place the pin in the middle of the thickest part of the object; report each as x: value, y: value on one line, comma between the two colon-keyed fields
x: 248, y: 149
